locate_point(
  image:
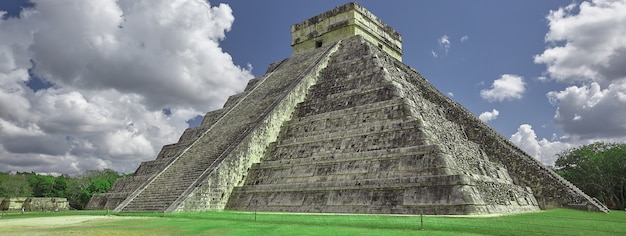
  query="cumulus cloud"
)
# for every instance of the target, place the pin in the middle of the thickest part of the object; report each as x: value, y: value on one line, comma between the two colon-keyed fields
x: 508, y: 87
x: 589, y: 111
x: 588, y: 44
x: 541, y: 149
x: 489, y: 115
x: 546, y: 150
x: 114, y: 66
x: 587, y: 47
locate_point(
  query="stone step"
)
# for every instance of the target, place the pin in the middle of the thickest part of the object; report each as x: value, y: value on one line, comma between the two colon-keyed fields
x: 128, y: 184
x: 323, y: 158
x: 151, y: 167
x: 384, y: 207
x: 191, y: 134
x: 368, y: 79
x: 356, y: 143
x: 333, y: 131
x: 344, y: 90
x: 311, y: 107
x: 210, y: 117
x: 338, y: 169
x: 327, y: 174
x: 393, y: 192
x: 172, y: 150
x: 377, y: 110
x: 398, y: 183
x: 149, y: 204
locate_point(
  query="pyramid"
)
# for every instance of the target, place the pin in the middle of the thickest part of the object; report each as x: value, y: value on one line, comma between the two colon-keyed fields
x: 343, y: 126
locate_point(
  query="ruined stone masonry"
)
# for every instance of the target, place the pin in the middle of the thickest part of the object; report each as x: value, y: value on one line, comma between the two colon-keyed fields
x: 343, y: 126
x: 35, y: 204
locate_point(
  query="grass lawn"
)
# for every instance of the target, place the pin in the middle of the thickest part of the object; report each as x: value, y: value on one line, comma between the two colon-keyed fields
x: 551, y: 222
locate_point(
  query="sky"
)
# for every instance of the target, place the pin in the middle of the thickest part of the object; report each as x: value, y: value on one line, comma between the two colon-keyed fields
x: 88, y: 85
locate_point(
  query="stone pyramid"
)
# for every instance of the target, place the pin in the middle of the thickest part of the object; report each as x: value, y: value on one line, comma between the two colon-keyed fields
x: 343, y: 126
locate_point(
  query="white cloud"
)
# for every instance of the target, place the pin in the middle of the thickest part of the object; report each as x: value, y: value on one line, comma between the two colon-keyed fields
x: 444, y: 43
x: 508, y: 87
x: 543, y: 150
x: 588, y: 45
x: 489, y: 115
x: 168, y: 49
x: 115, y: 65
x: 542, y: 78
x: 546, y: 150
x: 591, y: 112
x: 450, y: 94
x: 464, y: 38
x: 444, y: 47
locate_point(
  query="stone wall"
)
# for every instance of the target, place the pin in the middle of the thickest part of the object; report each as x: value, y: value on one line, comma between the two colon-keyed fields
x: 343, y: 22
x: 35, y: 204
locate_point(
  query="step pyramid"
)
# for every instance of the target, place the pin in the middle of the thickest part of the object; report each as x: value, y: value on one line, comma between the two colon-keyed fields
x: 343, y: 126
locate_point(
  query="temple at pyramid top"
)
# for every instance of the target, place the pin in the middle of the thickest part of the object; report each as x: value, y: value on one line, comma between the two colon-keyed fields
x: 343, y: 22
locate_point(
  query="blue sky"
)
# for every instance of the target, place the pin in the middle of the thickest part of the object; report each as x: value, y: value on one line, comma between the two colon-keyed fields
x: 502, y: 38
x: 119, y: 79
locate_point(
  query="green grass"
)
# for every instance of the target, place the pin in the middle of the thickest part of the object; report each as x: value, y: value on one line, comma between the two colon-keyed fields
x: 552, y: 222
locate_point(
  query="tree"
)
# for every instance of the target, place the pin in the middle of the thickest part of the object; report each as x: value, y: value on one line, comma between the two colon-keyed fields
x: 599, y: 169
x: 80, y: 189
x: 14, y: 185
x: 42, y: 185
x: 60, y: 186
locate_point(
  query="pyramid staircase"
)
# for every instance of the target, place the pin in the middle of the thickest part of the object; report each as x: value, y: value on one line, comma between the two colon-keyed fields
x: 201, y: 152
x: 368, y: 139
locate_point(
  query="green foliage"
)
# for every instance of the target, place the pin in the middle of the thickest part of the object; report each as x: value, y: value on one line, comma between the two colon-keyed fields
x: 599, y: 169
x: 60, y: 186
x: 92, y: 182
x: 14, y: 185
x: 78, y: 190
x: 99, y: 186
x: 42, y: 185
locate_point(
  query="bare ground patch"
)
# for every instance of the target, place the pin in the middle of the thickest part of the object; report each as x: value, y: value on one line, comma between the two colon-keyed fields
x: 51, y: 225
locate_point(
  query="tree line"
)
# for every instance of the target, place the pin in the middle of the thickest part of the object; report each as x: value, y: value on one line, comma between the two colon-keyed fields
x: 598, y: 169
x: 77, y: 189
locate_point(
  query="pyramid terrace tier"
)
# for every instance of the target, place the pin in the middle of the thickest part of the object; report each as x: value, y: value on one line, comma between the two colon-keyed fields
x: 389, y: 163
x: 449, y: 194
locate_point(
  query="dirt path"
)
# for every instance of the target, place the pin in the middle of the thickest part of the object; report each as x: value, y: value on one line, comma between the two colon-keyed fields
x: 57, y: 225
x: 53, y: 221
